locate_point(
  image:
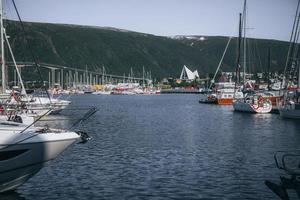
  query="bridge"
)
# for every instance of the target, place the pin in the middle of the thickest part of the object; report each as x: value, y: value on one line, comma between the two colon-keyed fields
x: 72, y: 77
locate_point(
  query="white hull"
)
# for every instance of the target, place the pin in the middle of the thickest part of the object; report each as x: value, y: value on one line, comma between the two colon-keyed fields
x: 102, y: 92
x: 23, y: 155
x: 241, y: 106
x: 42, y: 105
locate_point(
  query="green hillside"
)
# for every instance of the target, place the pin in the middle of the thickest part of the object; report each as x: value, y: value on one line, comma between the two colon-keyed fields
x: 119, y: 50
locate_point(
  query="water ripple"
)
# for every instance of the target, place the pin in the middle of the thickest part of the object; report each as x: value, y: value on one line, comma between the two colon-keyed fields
x: 166, y: 147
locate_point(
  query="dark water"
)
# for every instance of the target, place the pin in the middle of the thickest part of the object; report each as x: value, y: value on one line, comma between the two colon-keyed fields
x: 166, y: 147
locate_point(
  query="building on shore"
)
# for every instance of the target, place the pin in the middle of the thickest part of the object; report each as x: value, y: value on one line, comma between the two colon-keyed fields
x: 188, y: 75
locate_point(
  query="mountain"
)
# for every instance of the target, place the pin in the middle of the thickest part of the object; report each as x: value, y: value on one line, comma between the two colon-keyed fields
x: 119, y: 50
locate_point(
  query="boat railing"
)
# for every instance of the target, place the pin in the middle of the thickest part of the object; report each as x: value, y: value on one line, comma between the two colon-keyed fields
x: 69, y: 119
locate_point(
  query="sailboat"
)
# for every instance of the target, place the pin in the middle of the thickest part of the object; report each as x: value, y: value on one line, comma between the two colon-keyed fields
x: 38, y: 105
x: 24, y: 149
x: 289, y: 107
x: 251, y: 102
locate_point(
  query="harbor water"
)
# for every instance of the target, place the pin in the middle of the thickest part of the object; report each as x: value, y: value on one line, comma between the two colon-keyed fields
x: 166, y: 147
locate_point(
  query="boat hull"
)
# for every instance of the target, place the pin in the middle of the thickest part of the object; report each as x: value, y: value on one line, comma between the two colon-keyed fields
x: 21, y: 160
x: 291, y: 114
x: 208, y: 99
x: 224, y: 101
x: 17, y: 177
x: 247, y: 107
x: 291, y: 111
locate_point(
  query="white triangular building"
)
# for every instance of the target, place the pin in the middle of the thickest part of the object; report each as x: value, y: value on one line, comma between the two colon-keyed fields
x: 187, y: 74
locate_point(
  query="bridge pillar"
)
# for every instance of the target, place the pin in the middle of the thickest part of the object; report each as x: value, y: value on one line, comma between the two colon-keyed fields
x: 62, y: 79
x: 53, y: 77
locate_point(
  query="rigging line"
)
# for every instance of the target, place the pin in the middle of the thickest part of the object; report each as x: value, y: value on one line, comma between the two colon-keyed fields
x: 295, y: 36
x: 220, y: 63
x: 26, y: 128
x: 291, y: 38
x: 30, y: 50
x: 296, y: 53
x: 294, y: 49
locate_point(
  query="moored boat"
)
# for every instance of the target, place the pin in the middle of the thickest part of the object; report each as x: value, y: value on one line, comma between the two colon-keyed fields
x: 289, y: 107
x: 209, y: 98
x: 226, y: 92
x: 23, y: 154
x: 24, y: 148
x: 253, y: 104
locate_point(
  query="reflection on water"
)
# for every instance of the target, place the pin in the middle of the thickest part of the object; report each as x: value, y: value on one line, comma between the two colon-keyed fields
x: 167, y: 147
x: 12, y: 195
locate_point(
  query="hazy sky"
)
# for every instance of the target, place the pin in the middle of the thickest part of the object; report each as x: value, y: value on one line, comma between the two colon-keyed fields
x: 266, y: 18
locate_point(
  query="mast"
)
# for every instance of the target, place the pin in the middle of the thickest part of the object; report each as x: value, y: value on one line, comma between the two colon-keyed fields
x: 16, y: 66
x: 269, y: 66
x: 238, y: 64
x: 2, y: 48
x: 245, y: 40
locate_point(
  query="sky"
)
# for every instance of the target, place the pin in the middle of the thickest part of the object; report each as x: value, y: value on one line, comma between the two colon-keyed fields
x: 271, y: 19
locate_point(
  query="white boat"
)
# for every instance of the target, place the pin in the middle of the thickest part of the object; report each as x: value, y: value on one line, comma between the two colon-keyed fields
x: 37, y: 105
x: 250, y: 102
x: 23, y: 154
x: 226, y: 92
x: 24, y: 150
x: 253, y: 104
x: 289, y: 107
x: 44, y: 104
x: 102, y: 92
x: 17, y: 119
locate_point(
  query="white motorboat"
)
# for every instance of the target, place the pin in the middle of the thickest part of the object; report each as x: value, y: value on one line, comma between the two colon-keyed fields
x: 24, y: 149
x: 23, y: 154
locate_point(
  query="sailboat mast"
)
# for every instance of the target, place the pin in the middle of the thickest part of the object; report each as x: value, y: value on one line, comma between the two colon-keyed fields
x: 238, y: 65
x: 245, y: 40
x: 2, y: 49
x: 269, y: 66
